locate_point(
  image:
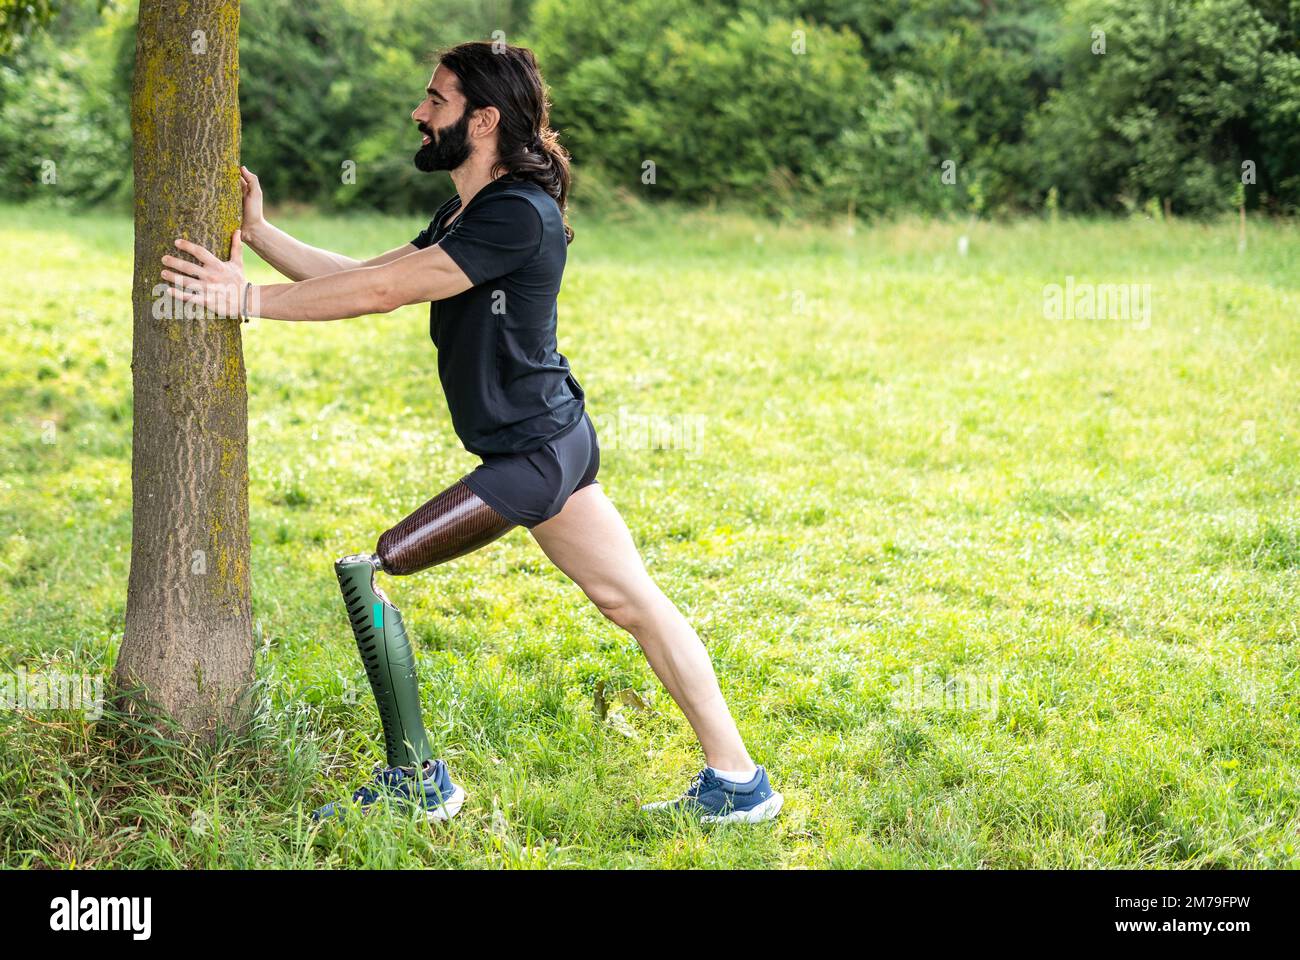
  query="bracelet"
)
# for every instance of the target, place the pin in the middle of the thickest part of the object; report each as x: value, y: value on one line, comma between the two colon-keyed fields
x: 243, y: 316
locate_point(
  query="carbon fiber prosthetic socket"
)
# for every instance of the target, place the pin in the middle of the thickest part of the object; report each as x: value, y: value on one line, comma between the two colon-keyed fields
x: 452, y: 524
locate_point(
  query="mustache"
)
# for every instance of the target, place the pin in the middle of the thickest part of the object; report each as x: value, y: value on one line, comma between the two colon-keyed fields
x: 425, y: 130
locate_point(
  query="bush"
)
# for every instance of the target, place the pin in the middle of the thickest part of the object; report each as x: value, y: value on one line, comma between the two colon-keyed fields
x: 65, y: 136
x: 723, y: 108
x: 1183, y: 94
x: 784, y: 106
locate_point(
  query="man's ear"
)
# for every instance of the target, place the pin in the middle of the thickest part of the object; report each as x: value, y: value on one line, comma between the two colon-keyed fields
x: 485, y: 120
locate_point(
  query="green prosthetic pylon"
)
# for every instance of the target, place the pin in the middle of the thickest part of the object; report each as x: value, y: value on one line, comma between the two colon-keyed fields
x: 381, y: 640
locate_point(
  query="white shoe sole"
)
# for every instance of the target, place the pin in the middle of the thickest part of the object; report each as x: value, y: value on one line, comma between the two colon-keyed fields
x: 766, y: 810
x: 449, y: 808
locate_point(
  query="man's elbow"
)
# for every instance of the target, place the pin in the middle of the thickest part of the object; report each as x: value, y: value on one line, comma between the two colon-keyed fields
x: 386, y: 298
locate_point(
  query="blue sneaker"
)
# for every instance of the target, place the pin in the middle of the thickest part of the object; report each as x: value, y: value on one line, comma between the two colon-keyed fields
x: 432, y: 792
x: 715, y: 800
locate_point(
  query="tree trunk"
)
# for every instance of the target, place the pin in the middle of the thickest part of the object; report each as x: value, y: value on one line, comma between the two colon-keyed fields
x: 188, y: 639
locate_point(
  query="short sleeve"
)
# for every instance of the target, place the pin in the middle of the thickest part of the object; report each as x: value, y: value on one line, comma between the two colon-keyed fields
x: 494, y: 237
x: 424, y: 237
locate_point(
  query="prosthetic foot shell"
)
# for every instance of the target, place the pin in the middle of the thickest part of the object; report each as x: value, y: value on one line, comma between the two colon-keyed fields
x: 390, y: 664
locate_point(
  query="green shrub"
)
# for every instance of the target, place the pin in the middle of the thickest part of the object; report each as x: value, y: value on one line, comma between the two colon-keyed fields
x: 788, y: 107
x: 65, y: 136
x: 1184, y: 93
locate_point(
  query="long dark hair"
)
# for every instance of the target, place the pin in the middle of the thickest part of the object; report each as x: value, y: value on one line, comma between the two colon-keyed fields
x: 495, y: 74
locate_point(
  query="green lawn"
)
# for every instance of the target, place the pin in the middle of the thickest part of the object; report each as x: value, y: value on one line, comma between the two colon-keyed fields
x: 909, y: 486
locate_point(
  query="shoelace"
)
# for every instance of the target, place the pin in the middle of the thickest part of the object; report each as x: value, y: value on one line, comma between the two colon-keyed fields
x: 390, y: 778
x: 386, y: 779
x: 698, y: 782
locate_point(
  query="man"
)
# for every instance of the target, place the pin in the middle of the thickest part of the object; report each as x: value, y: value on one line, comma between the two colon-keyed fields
x: 490, y: 265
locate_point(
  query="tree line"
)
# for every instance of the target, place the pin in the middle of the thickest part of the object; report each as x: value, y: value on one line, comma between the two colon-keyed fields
x: 786, y: 107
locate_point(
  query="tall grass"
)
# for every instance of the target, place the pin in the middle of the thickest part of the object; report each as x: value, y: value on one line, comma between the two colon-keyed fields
x: 907, y: 486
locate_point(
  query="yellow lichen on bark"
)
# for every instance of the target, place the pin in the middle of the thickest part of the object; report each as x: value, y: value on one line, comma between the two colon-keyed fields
x: 162, y: 97
x: 229, y: 378
x: 229, y: 455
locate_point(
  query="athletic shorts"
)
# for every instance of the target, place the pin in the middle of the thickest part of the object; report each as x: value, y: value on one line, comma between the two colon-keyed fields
x: 527, y: 488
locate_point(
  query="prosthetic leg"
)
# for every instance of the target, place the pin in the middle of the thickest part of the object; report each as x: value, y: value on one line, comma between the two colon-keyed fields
x: 453, y: 523
x: 390, y: 665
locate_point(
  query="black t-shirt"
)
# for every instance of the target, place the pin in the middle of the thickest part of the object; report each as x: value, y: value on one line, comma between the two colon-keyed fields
x: 508, y: 388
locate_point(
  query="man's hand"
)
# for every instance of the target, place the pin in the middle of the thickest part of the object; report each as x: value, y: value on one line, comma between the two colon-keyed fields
x: 254, y: 219
x: 217, y: 284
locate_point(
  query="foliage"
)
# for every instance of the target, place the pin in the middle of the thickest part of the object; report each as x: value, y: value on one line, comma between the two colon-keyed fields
x: 1184, y: 93
x: 790, y: 107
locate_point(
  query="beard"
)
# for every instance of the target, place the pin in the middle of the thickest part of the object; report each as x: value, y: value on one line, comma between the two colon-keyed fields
x: 446, y: 150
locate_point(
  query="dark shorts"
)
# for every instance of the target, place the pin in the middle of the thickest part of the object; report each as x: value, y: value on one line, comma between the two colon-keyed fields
x: 528, y: 488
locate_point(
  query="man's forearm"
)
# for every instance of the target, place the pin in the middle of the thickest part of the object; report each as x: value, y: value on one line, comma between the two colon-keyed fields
x: 345, y: 293
x: 293, y: 258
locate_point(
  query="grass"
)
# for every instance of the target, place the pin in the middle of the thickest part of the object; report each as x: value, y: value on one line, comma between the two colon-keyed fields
x: 983, y: 589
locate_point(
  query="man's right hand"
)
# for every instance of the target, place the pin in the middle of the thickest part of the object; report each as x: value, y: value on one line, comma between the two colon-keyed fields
x: 253, y: 218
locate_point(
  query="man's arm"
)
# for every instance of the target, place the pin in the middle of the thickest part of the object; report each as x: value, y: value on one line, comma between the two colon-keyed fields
x: 417, y: 277
x: 301, y: 261
x: 293, y: 258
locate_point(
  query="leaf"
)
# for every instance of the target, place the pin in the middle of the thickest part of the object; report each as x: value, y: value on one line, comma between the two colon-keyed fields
x: 619, y: 723
x: 633, y: 700
x: 603, y: 699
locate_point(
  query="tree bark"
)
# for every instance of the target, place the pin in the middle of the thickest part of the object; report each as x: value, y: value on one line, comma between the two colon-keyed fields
x: 188, y: 637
